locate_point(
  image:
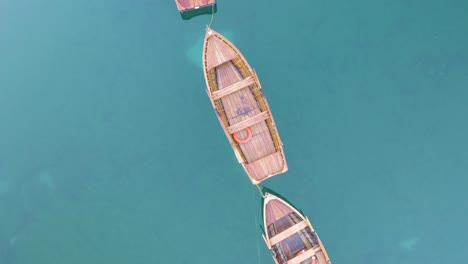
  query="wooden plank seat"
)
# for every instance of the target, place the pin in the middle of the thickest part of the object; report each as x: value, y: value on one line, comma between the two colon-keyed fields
x: 233, y: 88
x: 309, y: 253
x: 247, y: 122
x: 288, y: 232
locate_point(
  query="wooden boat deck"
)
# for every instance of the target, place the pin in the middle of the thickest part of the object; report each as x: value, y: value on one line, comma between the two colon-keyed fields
x: 241, y: 106
x: 234, y: 91
x: 290, y: 235
x: 187, y: 5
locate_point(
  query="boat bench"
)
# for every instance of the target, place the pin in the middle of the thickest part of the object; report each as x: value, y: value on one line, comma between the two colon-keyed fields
x: 233, y: 88
x: 247, y: 122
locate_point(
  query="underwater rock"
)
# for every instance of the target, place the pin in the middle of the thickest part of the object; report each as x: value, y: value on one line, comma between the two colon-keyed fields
x: 47, y: 180
x: 409, y: 244
x: 8, y: 252
x: 4, y: 187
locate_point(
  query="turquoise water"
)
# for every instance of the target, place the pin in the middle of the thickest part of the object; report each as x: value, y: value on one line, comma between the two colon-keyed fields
x: 110, y: 151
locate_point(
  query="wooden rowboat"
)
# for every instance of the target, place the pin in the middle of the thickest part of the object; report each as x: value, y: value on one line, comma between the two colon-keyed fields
x: 242, y: 110
x: 289, y: 234
x: 188, y: 5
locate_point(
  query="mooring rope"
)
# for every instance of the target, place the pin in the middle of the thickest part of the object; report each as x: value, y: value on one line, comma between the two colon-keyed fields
x: 257, y: 224
x: 260, y: 190
x: 212, y: 15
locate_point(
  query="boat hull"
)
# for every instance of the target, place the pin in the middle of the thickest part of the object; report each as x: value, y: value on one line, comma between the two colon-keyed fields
x: 289, y: 234
x: 242, y: 109
x: 189, y: 5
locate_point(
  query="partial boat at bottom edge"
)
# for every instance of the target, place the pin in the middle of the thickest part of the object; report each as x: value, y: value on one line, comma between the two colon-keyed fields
x: 189, y: 5
x: 242, y: 109
x: 289, y: 234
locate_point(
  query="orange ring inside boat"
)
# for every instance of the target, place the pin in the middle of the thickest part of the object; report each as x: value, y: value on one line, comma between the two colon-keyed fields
x: 314, y: 258
x: 300, y: 252
x: 245, y: 140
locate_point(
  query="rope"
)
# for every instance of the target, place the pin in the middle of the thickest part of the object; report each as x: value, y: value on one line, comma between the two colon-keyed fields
x: 260, y: 190
x: 212, y: 15
x: 256, y: 226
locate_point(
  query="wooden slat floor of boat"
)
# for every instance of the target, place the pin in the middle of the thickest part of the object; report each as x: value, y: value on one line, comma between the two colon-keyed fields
x: 218, y: 52
x: 242, y: 105
x: 269, y: 165
x: 262, y: 116
x: 274, y: 210
x: 233, y: 88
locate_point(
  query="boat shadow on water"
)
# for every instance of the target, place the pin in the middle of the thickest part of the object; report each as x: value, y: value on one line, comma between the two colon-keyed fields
x: 207, y: 10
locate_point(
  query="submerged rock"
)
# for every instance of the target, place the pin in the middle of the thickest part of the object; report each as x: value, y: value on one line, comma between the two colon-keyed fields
x: 409, y: 244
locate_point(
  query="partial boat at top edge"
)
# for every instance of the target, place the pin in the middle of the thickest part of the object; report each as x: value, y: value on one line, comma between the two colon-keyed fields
x: 289, y: 234
x: 188, y: 5
x: 242, y: 109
